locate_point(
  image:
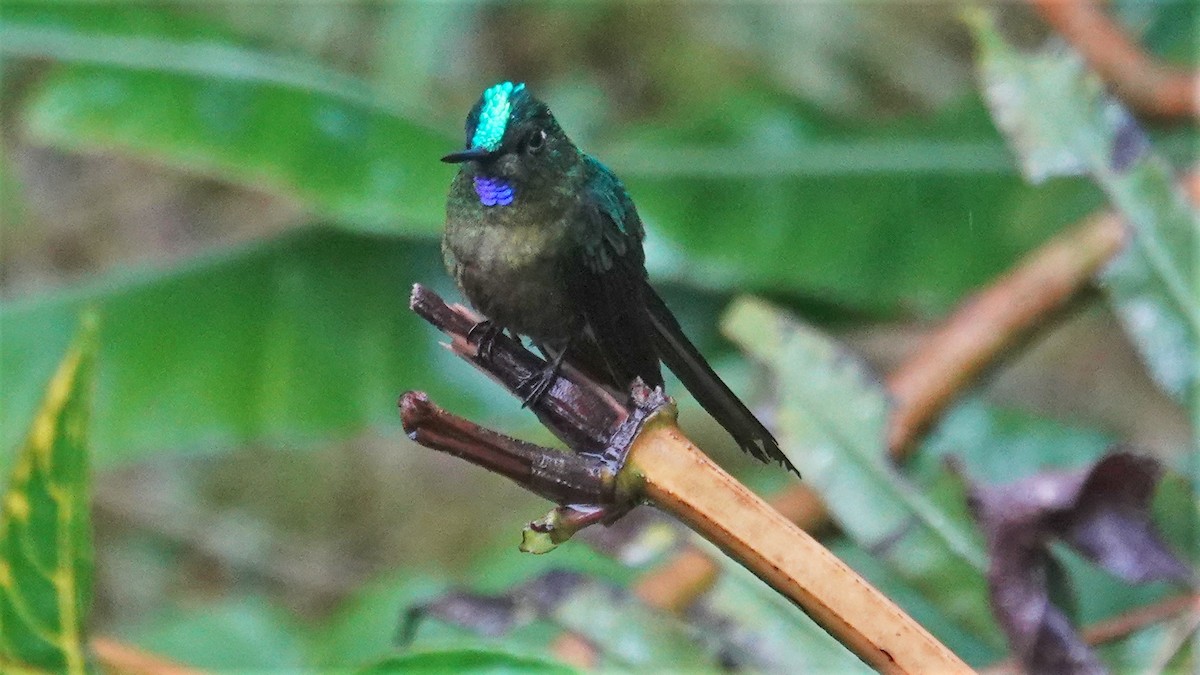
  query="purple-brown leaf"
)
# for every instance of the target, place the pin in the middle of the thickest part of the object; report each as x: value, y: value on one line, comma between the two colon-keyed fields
x: 1103, y: 512
x: 1110, y: 524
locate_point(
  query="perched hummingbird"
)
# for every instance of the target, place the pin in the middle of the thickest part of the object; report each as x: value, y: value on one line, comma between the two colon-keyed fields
x: 544, y: 240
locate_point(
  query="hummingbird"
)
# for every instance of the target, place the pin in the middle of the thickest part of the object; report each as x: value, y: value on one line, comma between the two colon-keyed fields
x: 546, y: 243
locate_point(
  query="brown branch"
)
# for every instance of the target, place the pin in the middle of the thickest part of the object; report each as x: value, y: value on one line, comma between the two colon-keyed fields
x: 1137, y: 78
x: 686, y: 576
x: 993, y: 320
x: 580, y: 412
x: 561, y: 477
x: 1118, y: 626
x: 122, y: 659
x: 989, y: 323
x: 1137, y: 619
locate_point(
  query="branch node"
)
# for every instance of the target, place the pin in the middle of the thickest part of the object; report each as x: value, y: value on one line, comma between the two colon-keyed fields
x: 593, y: 421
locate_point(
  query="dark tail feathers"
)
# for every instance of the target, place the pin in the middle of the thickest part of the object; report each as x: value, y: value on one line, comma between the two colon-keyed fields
x: 689, y: 365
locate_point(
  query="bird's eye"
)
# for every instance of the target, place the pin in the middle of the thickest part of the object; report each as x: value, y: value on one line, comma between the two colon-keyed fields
x: 536, y: 140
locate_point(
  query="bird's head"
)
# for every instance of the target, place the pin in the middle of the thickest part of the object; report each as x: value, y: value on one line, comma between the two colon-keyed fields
x: 513, y: 144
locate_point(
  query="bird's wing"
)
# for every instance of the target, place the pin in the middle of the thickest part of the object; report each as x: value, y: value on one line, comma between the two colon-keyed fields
x: 633, y: 327
x: 711, y: 392
x: 606, y: 276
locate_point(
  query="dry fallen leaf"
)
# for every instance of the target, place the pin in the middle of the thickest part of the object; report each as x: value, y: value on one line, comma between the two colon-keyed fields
x: 1103, y: 512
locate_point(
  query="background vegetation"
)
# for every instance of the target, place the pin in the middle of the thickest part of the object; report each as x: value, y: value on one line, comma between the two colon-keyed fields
x: 244, y: 193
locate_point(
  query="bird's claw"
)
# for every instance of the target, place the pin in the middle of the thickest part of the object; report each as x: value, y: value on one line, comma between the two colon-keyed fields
x: 537, y: 385
x: 484, y: 334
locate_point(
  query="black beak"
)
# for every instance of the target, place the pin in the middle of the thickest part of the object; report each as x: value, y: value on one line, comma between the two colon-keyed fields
x: 467, y: 155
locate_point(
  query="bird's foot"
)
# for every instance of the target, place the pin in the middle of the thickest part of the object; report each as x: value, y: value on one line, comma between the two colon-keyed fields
x: 538, y: 384
x: 484, y: 335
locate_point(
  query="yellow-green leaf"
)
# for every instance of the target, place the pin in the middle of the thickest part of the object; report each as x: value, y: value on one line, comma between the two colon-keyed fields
x: 45, y: 529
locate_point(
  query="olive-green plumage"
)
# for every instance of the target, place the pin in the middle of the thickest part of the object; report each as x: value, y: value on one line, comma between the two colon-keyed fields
x: 545, y: 241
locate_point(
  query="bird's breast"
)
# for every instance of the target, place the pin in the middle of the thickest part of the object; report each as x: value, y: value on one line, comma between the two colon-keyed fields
x: 512, y: 272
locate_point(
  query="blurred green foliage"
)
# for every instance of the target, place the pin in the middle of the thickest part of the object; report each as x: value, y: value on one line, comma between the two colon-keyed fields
x: 837, y: 158
x: 468, y: 661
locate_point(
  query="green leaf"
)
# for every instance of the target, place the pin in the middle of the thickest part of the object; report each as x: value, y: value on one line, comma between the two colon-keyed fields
x: 363, y: 168
x: 239, y: 633
x: 45, y: 526
x: 1060, y: 121
x: 290, y: 340
x: 629, y: 634
x: 623, y: 630
x: 468, y: 662
x: 1176, y: 510
x: 535, y: 636
x: 999, y: 445
x: 756, y: 194
x: 831, y: 421
x: 1160, y: 647
x: 1099, y: 595
x: 364, y: 629
x: 159, y: 38
x: 147, y: 81
x: 1165, y: 29
x: 12, y: 202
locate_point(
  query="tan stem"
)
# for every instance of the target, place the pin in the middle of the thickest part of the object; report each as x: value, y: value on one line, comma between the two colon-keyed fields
x: 950, y: 358
x: 680, y: 479
x: 119, y: 658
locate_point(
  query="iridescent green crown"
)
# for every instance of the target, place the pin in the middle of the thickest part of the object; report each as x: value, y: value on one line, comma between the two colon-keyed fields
x: 493, y: 116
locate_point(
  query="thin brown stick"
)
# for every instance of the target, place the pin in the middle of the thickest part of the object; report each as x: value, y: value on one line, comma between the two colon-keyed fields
x: 682, y: 480
x: 121, y: 659
x: 560, y: 477
x: 580, y: 412
x: 687, y: 575
x: 1137, y: 619
x: 991, y: 321
x: 1119, y: 626
x: 575, y: 651
x: 1137, y: 78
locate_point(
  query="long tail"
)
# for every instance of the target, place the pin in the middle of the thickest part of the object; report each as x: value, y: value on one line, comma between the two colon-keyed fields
x: 682, y: 357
